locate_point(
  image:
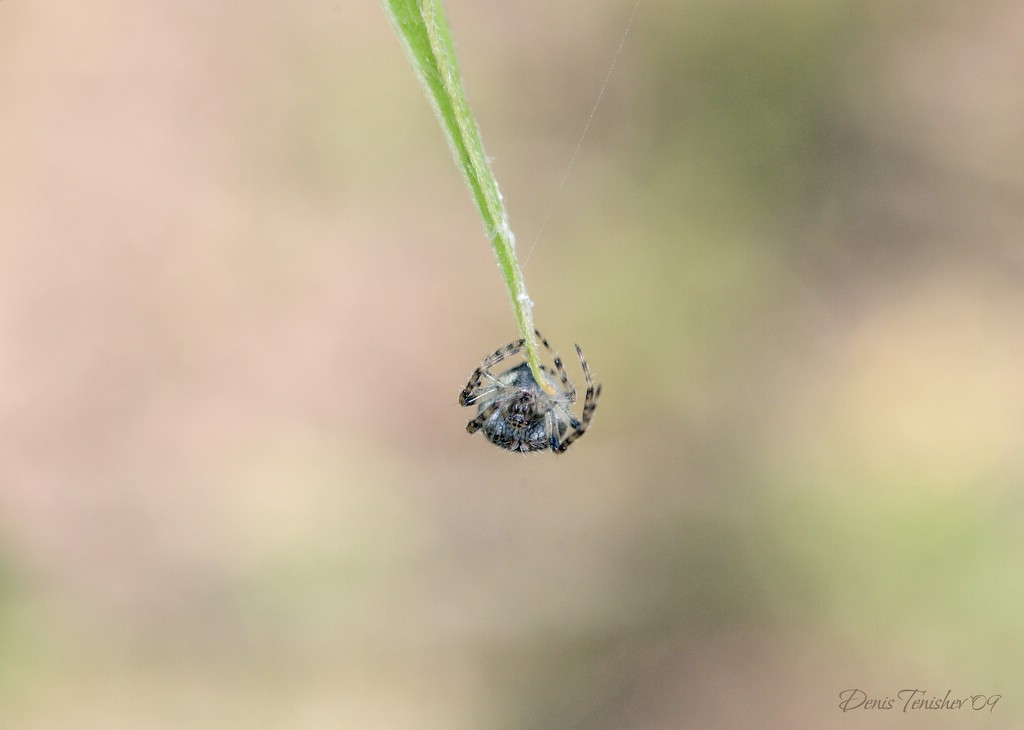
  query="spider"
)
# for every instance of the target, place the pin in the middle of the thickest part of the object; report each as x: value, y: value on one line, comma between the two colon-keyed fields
x: 515, y: 413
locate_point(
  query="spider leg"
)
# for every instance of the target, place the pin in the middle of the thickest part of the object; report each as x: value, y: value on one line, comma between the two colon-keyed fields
x: 559, y: 368
x: 481, y: 391
x: 471, y: 398
x: 481, y: 418
x: 586, y: 368
x: 468, y: 396
x: 589, y: 405
x: 570, y: 389
x: 569, y: 417
x: 501, y: 353
x: 552, y: 429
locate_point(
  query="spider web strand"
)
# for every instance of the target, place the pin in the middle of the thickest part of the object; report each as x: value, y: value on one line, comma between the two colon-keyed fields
x: 586, y: 129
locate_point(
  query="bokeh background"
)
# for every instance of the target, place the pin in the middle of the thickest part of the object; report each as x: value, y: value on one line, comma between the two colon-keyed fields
x: 241, y: 286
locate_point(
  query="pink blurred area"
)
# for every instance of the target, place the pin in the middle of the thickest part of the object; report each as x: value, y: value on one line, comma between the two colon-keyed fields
x: 241, y: 286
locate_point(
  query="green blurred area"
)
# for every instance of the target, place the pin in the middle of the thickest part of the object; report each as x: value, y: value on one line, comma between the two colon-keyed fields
x: 241, y: 286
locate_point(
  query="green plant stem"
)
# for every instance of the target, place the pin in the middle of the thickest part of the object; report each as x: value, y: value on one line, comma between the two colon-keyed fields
x: 423, y: 29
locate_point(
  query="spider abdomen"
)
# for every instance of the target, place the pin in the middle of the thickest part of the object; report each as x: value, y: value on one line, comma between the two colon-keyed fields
x: 532, y: 435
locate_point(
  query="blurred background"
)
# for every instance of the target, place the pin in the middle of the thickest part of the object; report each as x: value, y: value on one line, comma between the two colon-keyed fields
x: 242, y: 284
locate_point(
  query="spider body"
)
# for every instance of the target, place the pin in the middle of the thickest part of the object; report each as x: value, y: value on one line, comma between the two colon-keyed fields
x: 517, y: 414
